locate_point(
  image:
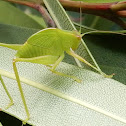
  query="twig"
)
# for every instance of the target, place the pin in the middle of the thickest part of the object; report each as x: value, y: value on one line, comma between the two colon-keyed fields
x: 102, y: 9
x: 121, y: 13
x: 40, y: 8
x: 45, y: 15
x: 111, y: 11
x: 119, y: 7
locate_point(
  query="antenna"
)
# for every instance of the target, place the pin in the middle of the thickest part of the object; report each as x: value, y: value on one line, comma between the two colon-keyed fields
x: 80, y: 18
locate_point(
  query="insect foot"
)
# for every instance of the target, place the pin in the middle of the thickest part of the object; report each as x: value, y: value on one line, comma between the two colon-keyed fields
x: 25, y: 121
x: 9, y: 105
x: 108, y: 76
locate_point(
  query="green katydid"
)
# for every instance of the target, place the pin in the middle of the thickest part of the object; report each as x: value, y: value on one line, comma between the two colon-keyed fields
x: 47, y: 47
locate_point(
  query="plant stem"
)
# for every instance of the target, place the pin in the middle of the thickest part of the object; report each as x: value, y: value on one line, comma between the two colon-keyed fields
x: 111, y: 11
x: 47, y: 18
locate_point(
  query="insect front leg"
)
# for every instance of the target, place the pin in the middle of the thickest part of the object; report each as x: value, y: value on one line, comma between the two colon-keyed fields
x: 72, y: 53
x: 7, y: 92
x: 62, y: 74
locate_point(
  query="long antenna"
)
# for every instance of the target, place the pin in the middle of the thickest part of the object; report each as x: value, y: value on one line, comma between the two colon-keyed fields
x: 80, y: 18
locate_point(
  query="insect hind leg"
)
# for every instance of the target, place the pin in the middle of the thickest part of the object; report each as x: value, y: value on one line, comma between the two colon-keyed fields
x: 7, y: 92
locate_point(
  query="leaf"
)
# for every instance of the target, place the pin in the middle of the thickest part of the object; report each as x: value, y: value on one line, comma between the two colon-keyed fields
x: 15, y: 35
x: 67, y: 101
x: 38, y: 19
x: 97, y: 22
x: 109, y: 49
x: 1, y: 124
x: 99, y: 1
x: 12, y: 15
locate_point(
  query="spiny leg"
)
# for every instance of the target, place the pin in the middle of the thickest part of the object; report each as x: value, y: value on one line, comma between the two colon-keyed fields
x: 71, y: 52
x: 7, y: 92
x: 21, y: 91
x: 62, y: 74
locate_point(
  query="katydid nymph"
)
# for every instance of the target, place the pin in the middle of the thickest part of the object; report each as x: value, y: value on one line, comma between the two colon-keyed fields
x: 47, y: 47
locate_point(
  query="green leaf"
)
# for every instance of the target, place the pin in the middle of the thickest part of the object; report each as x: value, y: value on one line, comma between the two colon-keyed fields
x: 57, y: 100
x: 97, y: 22
x: 15, y: 35
x: 38, y: 19
x: 109, y: 50
x: 1, y: 124
x: 99, y: 1
x: 12, y: 15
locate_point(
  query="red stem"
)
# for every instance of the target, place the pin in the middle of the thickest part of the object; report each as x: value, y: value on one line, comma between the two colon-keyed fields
x: 40, y: 8
x: 110, y: 11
